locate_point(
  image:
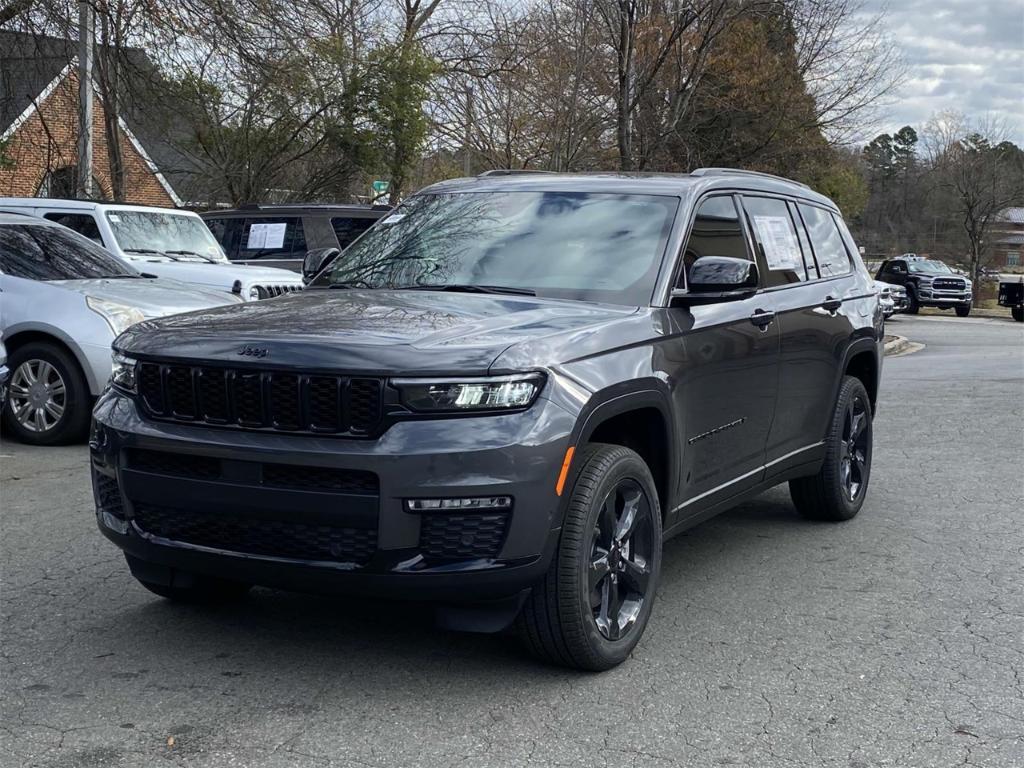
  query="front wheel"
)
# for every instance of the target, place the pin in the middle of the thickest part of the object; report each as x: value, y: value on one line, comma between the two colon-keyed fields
x: 837, y: 492
x: 963, y: 310
x: 913, y: 307
x: 594, y: 603
x: 48, y: 400
x: 1017, y: 313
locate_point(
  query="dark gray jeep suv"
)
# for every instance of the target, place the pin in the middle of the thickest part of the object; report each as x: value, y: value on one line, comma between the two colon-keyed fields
x: 503, y: 398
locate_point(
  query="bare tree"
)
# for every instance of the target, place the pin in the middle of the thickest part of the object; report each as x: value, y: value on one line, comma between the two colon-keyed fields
x: 980, y: 172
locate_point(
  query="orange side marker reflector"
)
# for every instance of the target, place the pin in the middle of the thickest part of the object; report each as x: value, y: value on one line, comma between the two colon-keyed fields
x: 565, y: 470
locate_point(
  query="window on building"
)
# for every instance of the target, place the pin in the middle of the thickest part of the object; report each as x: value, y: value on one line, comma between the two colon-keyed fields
x: 1013, y: 258
x: 63, y: 183
x: 827, y: 242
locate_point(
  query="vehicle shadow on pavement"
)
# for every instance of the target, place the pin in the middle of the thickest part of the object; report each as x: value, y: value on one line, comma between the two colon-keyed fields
x: 275, y: 634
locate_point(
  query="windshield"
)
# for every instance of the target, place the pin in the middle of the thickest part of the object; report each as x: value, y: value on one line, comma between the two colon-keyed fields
x: 41, y: 252
x: 929, y: 267
x: 591, y: 247
x: 177, y: 234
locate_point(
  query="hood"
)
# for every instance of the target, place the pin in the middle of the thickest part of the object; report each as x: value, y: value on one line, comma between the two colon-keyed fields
x: 154, y: 298
x: 221, y: 275
x: 384, y: 332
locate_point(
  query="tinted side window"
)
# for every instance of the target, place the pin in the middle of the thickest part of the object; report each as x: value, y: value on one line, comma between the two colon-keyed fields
x: 272, y: 238
x: 82, y: 223
x: 776, y: 239
x: 829, y: 250
x: 716, y: 232
x: 348, y: 229
x: 47, y: 253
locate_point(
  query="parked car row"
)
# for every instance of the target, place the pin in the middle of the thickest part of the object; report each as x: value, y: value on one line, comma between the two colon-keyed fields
x: 928, y: 283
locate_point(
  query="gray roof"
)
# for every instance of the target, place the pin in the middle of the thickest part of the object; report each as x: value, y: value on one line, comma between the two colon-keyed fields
x: 28, y: 63
x: 1016, y: 239
x: 1012, y: 215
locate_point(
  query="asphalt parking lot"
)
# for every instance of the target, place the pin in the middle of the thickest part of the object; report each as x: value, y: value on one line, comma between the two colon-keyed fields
x: 895, y: 639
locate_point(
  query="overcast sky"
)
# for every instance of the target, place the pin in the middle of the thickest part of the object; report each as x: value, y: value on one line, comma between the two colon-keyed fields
x: 966, y: 55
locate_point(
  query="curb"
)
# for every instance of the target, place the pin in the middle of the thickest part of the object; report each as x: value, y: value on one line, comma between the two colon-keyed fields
x: 897, y: 345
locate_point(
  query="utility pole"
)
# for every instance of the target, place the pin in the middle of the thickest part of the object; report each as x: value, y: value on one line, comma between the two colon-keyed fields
x: 466, y: 157
x: 86, y: 34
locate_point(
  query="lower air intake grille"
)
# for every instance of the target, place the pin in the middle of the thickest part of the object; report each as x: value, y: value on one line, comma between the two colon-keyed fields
x: 108, y: 494
x: 462, y: 537
x: 271, y: 538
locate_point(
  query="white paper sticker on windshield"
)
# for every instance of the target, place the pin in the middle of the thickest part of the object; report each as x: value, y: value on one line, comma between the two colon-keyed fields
x: 781, y: 249
x: 114, y: 217
x: 266, y: 237
x: 394, y: 218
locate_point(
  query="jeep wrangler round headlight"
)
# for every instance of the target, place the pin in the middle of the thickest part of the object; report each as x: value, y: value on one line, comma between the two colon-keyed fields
x: 493, y: 393
x: 122, y: 371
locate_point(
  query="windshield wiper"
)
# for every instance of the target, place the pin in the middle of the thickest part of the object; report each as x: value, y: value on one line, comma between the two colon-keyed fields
x: 150, y: 250
x: 119, y: 277
x: 209, y: 259
x: 469, y: 288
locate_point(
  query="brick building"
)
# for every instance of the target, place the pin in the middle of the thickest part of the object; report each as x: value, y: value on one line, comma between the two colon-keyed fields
x: 39, y: 129
x: 1008, y: 238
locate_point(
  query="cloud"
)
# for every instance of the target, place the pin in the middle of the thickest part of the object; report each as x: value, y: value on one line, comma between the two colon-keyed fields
x: 963, y: 55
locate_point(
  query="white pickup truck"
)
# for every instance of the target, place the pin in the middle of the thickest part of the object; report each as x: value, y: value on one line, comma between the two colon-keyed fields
x: 160, y: 241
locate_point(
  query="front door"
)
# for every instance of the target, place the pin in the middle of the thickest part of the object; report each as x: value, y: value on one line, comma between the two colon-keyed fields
x: 726, y: 382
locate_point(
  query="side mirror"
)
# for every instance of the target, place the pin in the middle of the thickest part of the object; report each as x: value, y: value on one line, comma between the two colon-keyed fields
x: 713, y: 279
x: 315, y: 260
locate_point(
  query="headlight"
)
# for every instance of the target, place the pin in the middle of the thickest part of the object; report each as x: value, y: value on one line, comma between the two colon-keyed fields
x: 122, y: 371
x: 118, y: 316
x: 483, y: 394
x: 254, y: 293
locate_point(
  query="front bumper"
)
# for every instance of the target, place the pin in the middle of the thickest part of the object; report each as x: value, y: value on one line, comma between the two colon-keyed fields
x: 941, y: 298
x: 211, y: 501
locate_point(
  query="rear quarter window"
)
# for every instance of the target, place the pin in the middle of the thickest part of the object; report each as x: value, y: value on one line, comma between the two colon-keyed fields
x: 826, y: 240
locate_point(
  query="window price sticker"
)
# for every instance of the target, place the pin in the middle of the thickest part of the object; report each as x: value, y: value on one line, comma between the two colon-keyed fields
x: 781, y: 249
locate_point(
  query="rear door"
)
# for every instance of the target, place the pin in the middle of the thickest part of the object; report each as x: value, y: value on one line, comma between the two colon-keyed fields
x: 726, y: 381
x: 272, y: 241
x: 810, y: 278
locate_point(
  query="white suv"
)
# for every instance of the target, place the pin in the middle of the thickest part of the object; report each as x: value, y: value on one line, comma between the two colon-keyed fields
x: 160, y: 241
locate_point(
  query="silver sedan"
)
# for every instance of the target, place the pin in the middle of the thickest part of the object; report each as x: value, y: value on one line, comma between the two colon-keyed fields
x: 63, y: 299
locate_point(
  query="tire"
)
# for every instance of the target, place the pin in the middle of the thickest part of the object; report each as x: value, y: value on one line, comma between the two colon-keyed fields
x: 49, y: 363
x: 830, y: 495
x: 1017, y: 313
x: 912, y: 304
x: 963, y: 310
x: 567, y: 622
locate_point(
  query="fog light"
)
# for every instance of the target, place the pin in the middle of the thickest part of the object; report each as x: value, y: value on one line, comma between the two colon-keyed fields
x: 451, y: 505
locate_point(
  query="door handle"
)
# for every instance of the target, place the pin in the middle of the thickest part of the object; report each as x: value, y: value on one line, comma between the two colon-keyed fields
x: 762, y: 318
x: 831, y: 303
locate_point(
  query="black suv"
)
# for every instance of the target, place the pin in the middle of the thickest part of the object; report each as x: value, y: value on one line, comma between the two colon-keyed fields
x: 281, y: 235
x: 503, y: 399
x: 929, y: 283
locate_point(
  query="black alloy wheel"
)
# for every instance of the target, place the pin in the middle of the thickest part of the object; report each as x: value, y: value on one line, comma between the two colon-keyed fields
x: 838, y: 489
x: 594, y: 603
x: 620, y: 557
x: 856, y: 447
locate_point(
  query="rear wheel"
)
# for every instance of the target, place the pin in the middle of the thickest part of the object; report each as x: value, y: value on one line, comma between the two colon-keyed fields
x: 963, y: 310
x: 837, y: 492
x: 594, y: 603
x: 1017, y: 313
x: 48, y: 400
